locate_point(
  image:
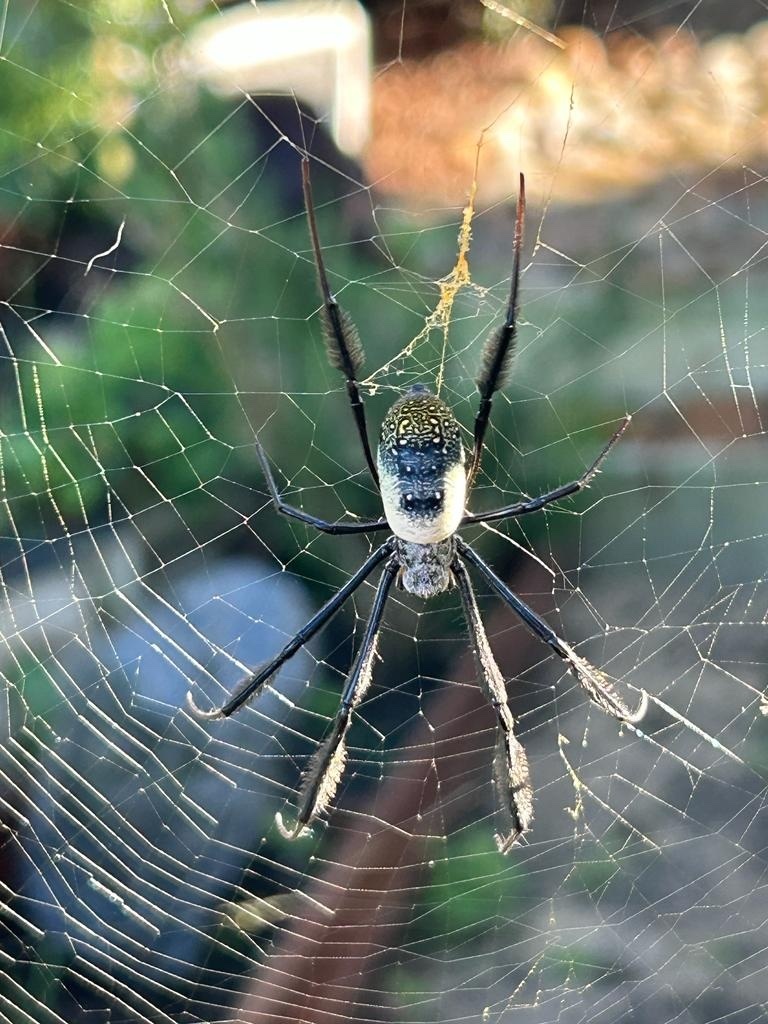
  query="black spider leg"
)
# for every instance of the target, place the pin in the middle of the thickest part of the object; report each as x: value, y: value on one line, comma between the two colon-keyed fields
x: 305, y: 517
x: 251, y: 685
x: 510, y: 767
x: 496, y: 360
x: 343, y: 346
x: 598, y: 686
x: 327, y: 765
x: 521, y: 508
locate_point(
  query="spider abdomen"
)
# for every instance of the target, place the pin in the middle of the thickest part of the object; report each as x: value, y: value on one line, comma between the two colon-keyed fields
x: 421, y: 468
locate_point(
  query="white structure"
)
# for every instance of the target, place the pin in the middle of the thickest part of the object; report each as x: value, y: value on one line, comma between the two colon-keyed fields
x: 320, y: 51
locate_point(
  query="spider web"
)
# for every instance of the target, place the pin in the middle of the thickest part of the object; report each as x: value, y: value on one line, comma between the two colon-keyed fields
x: 158, y: 313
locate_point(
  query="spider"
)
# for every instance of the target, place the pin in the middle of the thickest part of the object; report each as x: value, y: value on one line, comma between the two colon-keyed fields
x: 423, y: 480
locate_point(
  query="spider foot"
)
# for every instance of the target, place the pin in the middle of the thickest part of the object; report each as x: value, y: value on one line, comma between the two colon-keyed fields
x: 319, y: 785
x: 602, y: 691
x: 296, y: 831
x: 199, y: 713
x: 514, y: 790
x: 504, y: 843
x: 597, y: 465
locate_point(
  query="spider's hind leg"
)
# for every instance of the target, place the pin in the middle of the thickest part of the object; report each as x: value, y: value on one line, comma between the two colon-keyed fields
x: 511, y: 774
x: 327, y: 766
x: 598, y: 686
x: 253, y: 683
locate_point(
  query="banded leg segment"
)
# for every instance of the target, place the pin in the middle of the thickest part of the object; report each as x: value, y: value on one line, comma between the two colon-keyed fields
x: 598, y: 686
x: 252, y: 684
x: 327, y: 765
x: 345, y: 351
x: 511, y: 775
x: 496, y: 360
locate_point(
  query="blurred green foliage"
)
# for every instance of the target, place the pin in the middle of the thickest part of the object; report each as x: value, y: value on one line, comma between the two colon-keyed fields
x: 161, y: 364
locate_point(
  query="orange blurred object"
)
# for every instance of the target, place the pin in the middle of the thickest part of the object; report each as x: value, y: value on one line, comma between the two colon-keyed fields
x: 596, y: 118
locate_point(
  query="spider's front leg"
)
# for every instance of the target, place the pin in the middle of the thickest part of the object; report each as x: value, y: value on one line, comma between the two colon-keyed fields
x: 344, y: 349
x: 499, y: 349
x: 511, y: 774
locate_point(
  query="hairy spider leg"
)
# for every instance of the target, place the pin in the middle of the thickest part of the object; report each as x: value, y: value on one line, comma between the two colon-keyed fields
x: 499, y: 349
x: 510, y: 768
x: 598, y: 686
x: 521, y: 508
x: 424, y: 485
x: 327, y: 765
x: 342, y: 341
x: 304, y: 517
x: 253, y: 683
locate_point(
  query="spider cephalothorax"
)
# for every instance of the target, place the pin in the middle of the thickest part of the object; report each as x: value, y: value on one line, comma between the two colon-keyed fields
x: 424, y: 483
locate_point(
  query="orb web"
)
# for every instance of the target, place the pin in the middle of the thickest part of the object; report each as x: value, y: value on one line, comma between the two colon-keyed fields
x: 158, y: 313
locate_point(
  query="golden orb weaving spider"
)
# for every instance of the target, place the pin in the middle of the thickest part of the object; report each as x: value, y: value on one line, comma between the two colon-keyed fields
x: 423, y: 481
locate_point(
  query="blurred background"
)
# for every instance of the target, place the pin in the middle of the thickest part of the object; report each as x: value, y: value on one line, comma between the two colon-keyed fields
x: 158, y: 310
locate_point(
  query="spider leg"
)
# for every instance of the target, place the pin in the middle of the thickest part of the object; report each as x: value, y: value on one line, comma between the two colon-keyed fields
x: 598, y: 686
x: 521, y: 508
x: 511, y: 775
x: 345, y: 351
x: 305, y: 517
x: 496, y: 360
x: 327, y: 765
x: 251, y: 685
